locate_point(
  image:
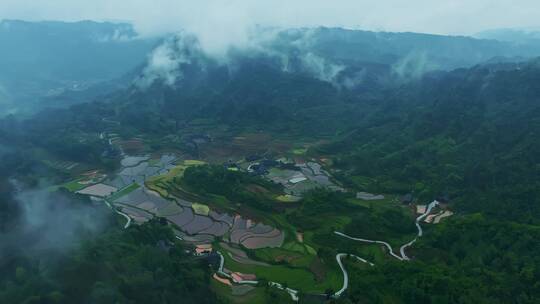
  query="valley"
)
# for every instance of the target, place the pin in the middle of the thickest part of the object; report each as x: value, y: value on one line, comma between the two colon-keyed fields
x: 248, y: 239
x: 297, y: 165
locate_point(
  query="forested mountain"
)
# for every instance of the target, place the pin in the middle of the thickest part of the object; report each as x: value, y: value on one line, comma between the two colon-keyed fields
x: 523, y: 37
x: 40, y: 61
x: 284, y: 72
x: 471, y: 133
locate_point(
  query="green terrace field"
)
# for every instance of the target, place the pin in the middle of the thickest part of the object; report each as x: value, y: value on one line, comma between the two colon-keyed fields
x: 297, y: 277
x: 123, y: 192
x: 74, y: 186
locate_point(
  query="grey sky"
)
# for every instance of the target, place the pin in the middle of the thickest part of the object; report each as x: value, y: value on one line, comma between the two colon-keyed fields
x: 225, y: 21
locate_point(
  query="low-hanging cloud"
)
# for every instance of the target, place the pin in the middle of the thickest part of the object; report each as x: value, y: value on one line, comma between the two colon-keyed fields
x: 220, y: 25
x: 414, y: 65
x: 49, y: 222
x: 166, y: 61
x: 294, y: 54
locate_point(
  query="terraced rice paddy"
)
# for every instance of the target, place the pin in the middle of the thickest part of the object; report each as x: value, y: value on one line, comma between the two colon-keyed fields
x: 98, y: 190
x: 123, y: 192
x: 296, y: 182
x: 131, y: 146
x: 62, y: 165
x: 137, y: 169
x: 194, y: 222
x: 254, y: 236
x: 144, y: 195
x: 287, y: 198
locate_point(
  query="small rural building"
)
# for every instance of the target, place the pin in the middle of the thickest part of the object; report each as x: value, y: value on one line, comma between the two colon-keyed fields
x: 203, y: 249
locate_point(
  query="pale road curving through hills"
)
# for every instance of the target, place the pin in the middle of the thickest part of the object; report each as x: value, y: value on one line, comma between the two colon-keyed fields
x: 420, y: 231
x: 119, y: 212
x: 339, y: 258
x: 390, y: 251
x: 402, y: 256
x: 127, y: 218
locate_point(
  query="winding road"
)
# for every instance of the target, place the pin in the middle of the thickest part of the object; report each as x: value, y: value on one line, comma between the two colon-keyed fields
x: 119, y: 212
x: 127, y: 218
x: 339, y: 257
x: 420, y: 231
x: 403, y: 256
x: 371, y: 242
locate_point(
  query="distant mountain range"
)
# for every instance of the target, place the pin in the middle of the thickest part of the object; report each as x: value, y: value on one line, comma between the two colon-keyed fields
x: 46, y: 59
x: 57, y: 64
x: 352, y: 59
x: 528, y: 36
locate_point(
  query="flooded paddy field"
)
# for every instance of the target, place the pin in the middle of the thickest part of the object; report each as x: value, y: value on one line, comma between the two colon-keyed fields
x: 307, y: 176
x: 193, y: 221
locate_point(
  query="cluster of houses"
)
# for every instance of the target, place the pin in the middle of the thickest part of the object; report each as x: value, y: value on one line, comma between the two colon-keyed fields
x: 442, y: 211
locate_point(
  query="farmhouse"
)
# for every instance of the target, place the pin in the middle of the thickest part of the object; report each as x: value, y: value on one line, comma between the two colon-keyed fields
x: 421, y: 209
x: 203, y: 249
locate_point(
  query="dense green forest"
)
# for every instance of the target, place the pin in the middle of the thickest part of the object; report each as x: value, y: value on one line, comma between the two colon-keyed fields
x: 144, y: 264
x: 235, y: 186
x: 472, y: 134
x: 58, y: 247
x: 467, y: 260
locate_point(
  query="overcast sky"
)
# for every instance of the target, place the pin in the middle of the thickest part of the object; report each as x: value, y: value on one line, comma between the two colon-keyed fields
x: 228, y: 19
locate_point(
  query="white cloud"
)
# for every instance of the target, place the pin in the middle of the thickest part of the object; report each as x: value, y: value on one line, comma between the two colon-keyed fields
x: 166, y: 61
